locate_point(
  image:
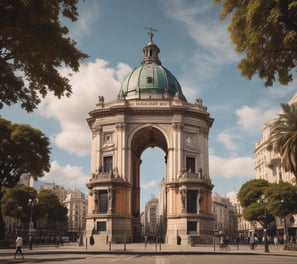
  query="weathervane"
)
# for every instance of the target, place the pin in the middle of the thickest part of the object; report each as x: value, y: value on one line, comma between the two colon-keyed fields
x: 150, y: 33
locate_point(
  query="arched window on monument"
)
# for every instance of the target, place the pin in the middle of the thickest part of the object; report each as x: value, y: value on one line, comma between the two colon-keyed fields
x: 192, y: 202
x: 107, y: 164
x: 190, y: 164
x: 103, y: 201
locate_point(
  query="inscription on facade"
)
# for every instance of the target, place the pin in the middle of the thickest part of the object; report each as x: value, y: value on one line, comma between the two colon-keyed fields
x: 150, y: 103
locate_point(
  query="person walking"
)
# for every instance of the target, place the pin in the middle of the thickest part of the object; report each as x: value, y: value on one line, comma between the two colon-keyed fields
x: 275, y: 241
x: 19, y: 244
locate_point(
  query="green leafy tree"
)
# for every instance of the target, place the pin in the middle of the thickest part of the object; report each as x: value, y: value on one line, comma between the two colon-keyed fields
x: 49, y: 207
x: 284, y: 135
x: 23, y: 151
x: 15, y: 202
x: 251, y: 191
x: 33, y: 45
x: 282, y: 199
x: 266, y: 32
x: 249, y: 197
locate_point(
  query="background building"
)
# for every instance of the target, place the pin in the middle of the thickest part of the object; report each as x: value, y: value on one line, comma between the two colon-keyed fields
x: 225, y: 217
x: 58, y: 190
x: 245, y: 229
x: 269, y: 168
x: 151, y: 219
x: 76, y: 204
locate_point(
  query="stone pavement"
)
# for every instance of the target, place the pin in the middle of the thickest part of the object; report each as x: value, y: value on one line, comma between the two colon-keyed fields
x: 139, y: 248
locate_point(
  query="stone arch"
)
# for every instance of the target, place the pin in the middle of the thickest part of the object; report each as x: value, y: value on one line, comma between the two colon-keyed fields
x: 143, y: 138
x: 152, y: 128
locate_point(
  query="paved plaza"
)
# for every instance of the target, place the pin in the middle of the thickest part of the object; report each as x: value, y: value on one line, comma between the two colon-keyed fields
x: 73, y: 253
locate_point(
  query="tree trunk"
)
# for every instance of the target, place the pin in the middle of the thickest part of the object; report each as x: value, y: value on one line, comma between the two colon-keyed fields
x: 2, y: 224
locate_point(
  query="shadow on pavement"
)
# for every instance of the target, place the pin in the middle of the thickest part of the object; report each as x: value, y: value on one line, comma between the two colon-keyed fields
x: 36, y: 260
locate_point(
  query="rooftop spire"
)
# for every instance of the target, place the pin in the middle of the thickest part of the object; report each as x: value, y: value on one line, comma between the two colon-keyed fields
x: 151, y: 50
x: 150, y: 33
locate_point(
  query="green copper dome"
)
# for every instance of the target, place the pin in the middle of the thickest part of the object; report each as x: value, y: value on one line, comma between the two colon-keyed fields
x: 151, y: 78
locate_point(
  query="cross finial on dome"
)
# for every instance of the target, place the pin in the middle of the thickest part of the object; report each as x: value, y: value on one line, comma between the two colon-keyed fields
x: 151, y: 50
x: 150, y: 33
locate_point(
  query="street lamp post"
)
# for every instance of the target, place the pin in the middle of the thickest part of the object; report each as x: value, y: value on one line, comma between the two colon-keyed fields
x: 19, y: 211
x: 31, y: 203
x: 285, y: 226
x: 215, y: 231
x: 265, y: 201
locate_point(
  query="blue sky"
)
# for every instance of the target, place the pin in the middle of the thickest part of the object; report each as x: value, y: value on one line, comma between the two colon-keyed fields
x: 195, y: 46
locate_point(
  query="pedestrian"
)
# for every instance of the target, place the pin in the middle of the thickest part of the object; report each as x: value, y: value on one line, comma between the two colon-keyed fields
x: 221, y: 244
x: 275, y: 241
x: 30, y: 242
x: 18, y: 244
x: 237, y: 241
x: 252, y: 242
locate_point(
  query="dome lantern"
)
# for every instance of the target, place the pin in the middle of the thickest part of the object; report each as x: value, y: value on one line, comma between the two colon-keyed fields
x: 150, y: 79
x: 151, y: 50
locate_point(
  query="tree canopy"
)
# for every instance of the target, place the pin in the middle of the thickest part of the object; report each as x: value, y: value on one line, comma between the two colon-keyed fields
x: 251, y: 191
x: 15, y: 202
x: 259, y: 198
x: 51, y: 209
x: 23, y: 151
x: 266, y: 33
x: 282, y: 199
x: 249, y: 197
x: 284, y: 135
x: 33, y: 45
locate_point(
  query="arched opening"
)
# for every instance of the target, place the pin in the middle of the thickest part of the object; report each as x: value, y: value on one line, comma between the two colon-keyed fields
x: 152, y: 171
x: 145, y: 138
x: 152, y: 207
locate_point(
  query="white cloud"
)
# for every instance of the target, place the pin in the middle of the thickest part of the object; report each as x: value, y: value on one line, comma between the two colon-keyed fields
x: 190, y: 90
x: 88, y: 16
x: 149, y: 184
x: 68, y: 176
x: 227, y: 139
x: 251, y: 119
x: 240, y: 167
x: 92, y: 80
x: 211, y: 36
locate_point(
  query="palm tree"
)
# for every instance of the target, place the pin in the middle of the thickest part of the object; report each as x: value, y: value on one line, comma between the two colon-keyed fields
x: 284, y: 135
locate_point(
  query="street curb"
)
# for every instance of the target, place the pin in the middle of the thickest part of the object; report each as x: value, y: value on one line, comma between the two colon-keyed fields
x: 131, y: 252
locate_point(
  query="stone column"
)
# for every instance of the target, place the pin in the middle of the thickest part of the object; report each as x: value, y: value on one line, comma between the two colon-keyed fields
x: 183, y: 194
x: 198, y: 202
x: 110, y: 195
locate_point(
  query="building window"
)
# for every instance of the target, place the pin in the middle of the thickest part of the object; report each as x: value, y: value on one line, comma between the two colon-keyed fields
x: 107, y: 137
x: 149, y: 79
x: 101, y: 226
x: 192, y: 201
x: 107, y: 163
x: 190, y: 164
x: 103, y: 201
x: 192, y: 227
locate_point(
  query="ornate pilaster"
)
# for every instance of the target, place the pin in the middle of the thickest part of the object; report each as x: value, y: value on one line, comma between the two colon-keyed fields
x: 183, y: 195
x: 110, y: 195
